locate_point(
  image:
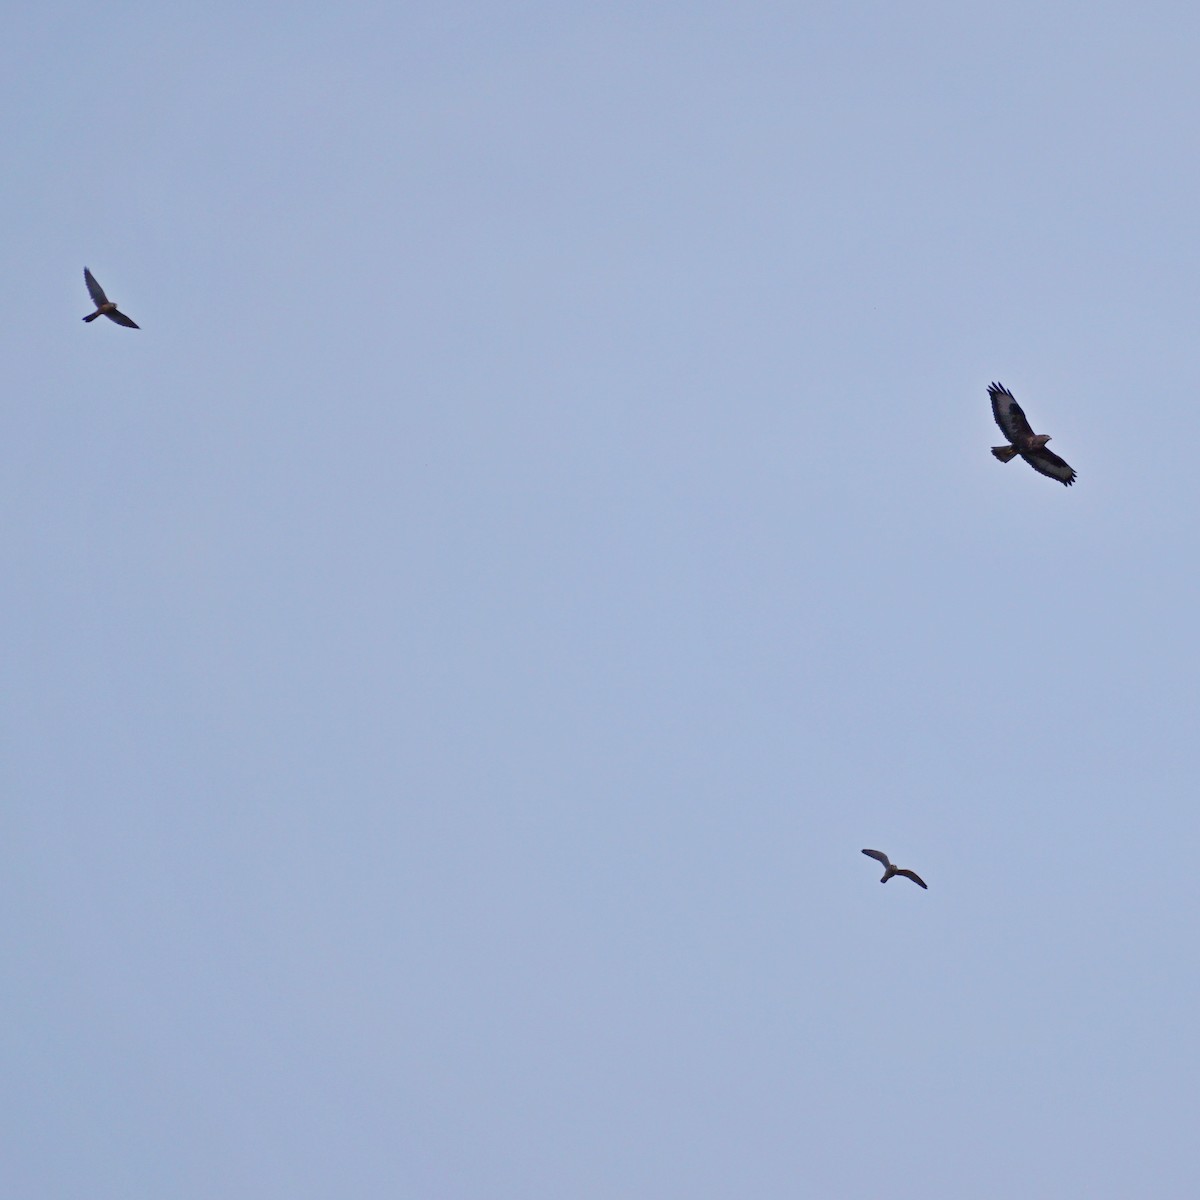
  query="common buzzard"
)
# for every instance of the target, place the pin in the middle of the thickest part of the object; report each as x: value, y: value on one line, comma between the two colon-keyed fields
x: 1029, y: 445
x: 104, y: 306
x: 889, y: 870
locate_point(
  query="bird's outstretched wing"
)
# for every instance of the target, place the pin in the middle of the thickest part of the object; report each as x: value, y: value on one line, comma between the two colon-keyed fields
x: 121, y: 319
x: 1046, y: 462
x: 1009, y: 415
x: 914, y: 877
x: 94, y: 289
x: 880, y: 857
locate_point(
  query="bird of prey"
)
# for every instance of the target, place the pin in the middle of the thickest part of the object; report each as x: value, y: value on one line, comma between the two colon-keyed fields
x: 889, y: 870
x: 1029, y: 445
x: 104, y: 306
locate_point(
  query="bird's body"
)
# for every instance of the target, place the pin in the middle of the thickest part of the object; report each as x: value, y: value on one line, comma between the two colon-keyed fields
x: 104, y: 306
x: 1029, y: 445
x: 890, y: 870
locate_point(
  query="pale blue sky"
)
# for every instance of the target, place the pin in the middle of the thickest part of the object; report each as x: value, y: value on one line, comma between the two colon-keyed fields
x: 543, y: 529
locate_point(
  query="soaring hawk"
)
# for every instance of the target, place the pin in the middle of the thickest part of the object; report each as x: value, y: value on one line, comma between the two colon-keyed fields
x: 1029, y: 445
x: 104, y: 306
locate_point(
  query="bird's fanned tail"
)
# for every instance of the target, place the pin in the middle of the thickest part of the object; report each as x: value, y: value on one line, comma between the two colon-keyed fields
x: 1005, y: 453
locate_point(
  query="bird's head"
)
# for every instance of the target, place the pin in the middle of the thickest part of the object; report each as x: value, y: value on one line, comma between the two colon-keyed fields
x: 1041, y: 439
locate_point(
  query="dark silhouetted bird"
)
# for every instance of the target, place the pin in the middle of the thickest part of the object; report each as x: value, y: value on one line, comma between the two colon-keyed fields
x: 1029, y: 445
x: 104, y: 306
x: 889, y: 870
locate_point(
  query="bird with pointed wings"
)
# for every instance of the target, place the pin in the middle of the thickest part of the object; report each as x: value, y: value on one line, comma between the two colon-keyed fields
x: 1029, y: 445
x: 104, y: 306
x: 889, y: 870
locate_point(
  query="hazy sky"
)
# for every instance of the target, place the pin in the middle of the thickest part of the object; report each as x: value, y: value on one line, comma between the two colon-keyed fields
x: 544, y: 528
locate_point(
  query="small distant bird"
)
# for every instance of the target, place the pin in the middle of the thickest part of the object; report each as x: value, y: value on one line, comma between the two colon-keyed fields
x: 889, y: 870
x: 104, y: 306
x: 1029, y: 445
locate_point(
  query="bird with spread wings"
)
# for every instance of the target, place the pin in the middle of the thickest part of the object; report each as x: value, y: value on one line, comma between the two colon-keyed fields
x: 104, y: 306
x: 1029, y: 445
x: 889, y: 870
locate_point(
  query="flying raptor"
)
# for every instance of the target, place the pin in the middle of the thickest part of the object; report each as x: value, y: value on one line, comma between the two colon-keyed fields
x: 889, y: 870
x: 1029, y: 445
x: 104, y: 306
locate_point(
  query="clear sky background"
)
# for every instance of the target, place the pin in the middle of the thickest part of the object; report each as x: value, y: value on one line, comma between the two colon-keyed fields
x: 456, y: 650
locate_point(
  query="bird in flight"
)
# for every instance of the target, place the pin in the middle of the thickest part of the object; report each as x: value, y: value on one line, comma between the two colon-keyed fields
x: 889, y: 870
x: 1029, y: 445
x: 104, y: 306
